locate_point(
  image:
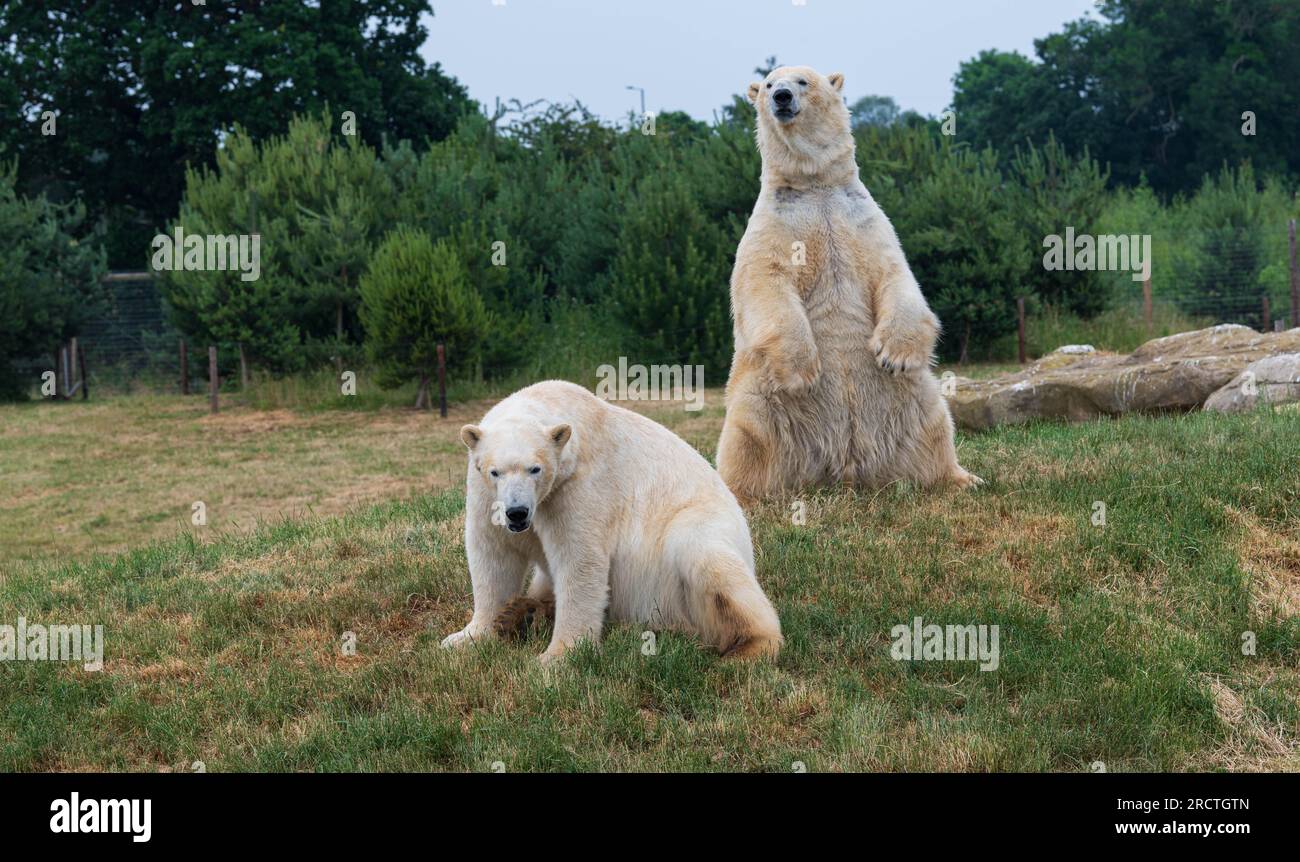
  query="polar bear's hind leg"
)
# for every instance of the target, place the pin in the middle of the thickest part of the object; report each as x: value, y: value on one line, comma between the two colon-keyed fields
x: 729, y: 609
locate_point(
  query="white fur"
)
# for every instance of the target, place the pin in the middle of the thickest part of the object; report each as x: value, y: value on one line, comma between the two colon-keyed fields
x: 627, y: 519
x: 831, y: 378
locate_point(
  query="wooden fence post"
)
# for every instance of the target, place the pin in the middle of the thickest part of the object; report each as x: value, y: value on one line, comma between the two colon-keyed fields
x: 1295, y: 278
x: 65, y: 372
x: 1020, y: 314
x: 442, y: 381
x: 1268, y: 317
x: 85, y: 381
x: 185, y: 368
x: 213, y: 380
x: 243, y: 368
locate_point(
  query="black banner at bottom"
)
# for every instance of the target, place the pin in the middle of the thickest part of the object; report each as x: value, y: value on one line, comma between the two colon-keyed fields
x: 140, y: 812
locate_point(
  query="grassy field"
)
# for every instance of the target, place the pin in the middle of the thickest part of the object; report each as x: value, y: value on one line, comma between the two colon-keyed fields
x: 1120, y: 644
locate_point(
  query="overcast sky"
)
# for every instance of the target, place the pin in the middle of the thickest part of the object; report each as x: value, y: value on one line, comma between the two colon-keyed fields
x: 692, y: 55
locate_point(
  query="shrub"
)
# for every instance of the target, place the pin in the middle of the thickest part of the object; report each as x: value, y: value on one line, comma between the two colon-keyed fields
x: 414, y: 297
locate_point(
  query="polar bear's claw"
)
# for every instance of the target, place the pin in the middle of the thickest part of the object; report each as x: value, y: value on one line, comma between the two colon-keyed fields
x: 517, y: 617
x: 460, y: 638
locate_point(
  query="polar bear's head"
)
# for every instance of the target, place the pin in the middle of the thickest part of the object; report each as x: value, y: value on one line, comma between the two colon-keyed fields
x: 803, y: 123
x: 519, y: 461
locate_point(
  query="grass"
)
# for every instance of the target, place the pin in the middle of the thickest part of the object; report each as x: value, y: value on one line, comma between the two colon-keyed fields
x: 1121, y: 329
x: 1119, y: 643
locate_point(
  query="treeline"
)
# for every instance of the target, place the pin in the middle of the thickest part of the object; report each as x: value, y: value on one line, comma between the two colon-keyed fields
x: 1162, y: 91
x: 498, y: 237
x: 393, y: 215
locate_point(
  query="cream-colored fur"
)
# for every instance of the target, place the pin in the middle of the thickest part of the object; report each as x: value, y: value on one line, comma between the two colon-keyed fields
x: 623, y: 516
x: 831, y: 381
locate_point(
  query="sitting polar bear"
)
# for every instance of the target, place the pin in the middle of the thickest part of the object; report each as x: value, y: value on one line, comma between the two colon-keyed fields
x: 614, y: 513
x: 830, y: 382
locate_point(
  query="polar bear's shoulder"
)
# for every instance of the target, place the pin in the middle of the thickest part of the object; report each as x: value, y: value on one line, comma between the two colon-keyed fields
x: 544, y: 400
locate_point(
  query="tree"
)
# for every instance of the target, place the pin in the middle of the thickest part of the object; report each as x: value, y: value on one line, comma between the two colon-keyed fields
x: 141, y: 90
x: 874, y: 111
x: 959, y: 232
x: 1053, y: 191
x: 669, y: 277
x: 1161, y: 89
x: 319, y: 202
x: 415, y: 296
x: 49, y: 279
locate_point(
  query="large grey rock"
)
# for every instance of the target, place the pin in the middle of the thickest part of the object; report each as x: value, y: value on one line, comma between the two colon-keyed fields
x: 1175, y: 373
x: 1271, y: 380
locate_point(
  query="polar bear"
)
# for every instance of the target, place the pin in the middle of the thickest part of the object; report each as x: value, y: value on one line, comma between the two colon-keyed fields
x: 830, y: 382
x: 612, y: 512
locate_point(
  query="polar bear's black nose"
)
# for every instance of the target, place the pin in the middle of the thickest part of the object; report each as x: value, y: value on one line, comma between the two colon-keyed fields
x: 517, y: 514
x: 782, y: 97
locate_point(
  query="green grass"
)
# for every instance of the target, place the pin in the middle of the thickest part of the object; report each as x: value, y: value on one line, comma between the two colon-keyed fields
x: 1121, y: 329
x: 1119, y: 644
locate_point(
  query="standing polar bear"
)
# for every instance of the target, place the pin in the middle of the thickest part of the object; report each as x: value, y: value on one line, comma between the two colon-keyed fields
x: 612, y: 511
x: 830, y: 382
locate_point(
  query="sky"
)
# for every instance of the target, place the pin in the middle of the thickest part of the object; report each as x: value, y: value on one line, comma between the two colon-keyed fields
x: 692, y: 55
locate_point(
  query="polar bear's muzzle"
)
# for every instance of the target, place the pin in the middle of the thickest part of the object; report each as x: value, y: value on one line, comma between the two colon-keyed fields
x: 517, y: 519
x: 785, y: 104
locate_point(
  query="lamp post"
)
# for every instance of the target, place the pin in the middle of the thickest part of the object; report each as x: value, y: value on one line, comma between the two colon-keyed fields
x: 642, y: 91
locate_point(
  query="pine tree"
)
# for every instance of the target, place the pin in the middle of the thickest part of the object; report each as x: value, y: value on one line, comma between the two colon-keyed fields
x: 415, y: 296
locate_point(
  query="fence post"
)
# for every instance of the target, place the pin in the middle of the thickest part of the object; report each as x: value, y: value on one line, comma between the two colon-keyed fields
x: 1295, y: 278
x: 1268, y: 317
x: 1020, y: 314
x: 1146, y: 305
x: 442, y: 381
x: 185, y: 368
x: 65, y: 369
x: 81, y: 363
x: 243, y: 367
x: 213, y: 381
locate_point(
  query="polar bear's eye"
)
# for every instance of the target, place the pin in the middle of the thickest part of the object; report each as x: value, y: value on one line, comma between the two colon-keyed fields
x: 802, y: 83
x: 535, y: 470
x: 769, y: 85
x: 493, y: 473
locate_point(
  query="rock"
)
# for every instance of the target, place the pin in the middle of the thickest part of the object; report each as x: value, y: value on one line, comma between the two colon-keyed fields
x: 1271, y: 380
x: 1076, y: 383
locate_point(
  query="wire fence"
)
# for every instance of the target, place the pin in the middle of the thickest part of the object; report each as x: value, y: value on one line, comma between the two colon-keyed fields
x: 1192, y: 280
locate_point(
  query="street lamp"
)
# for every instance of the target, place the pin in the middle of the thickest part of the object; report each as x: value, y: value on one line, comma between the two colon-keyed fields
x: 642, y: 89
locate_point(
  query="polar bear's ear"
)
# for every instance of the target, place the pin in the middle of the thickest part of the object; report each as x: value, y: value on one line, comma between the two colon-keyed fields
x: 753, y: 93
x: 559, y: 435
x: 470, y: 435
x: 836, y: 80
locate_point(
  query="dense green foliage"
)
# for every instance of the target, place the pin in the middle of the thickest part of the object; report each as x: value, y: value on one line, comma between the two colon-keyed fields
x: 142, y: 89
x: 320, y: 201
x: 49, y: 279
x: 414, y: 297
x: 1154, y: 89
x: 580, y: 238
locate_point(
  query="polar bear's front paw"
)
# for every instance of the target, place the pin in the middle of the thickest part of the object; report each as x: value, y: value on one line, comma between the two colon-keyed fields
x: 900, y: 355
x: 550, y: 657
x: 461, y: 638
x: 787, y: 376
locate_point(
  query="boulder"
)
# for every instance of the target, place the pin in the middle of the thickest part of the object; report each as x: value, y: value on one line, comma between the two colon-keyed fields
x: 1076, y: 383
x: 1271, y: 380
